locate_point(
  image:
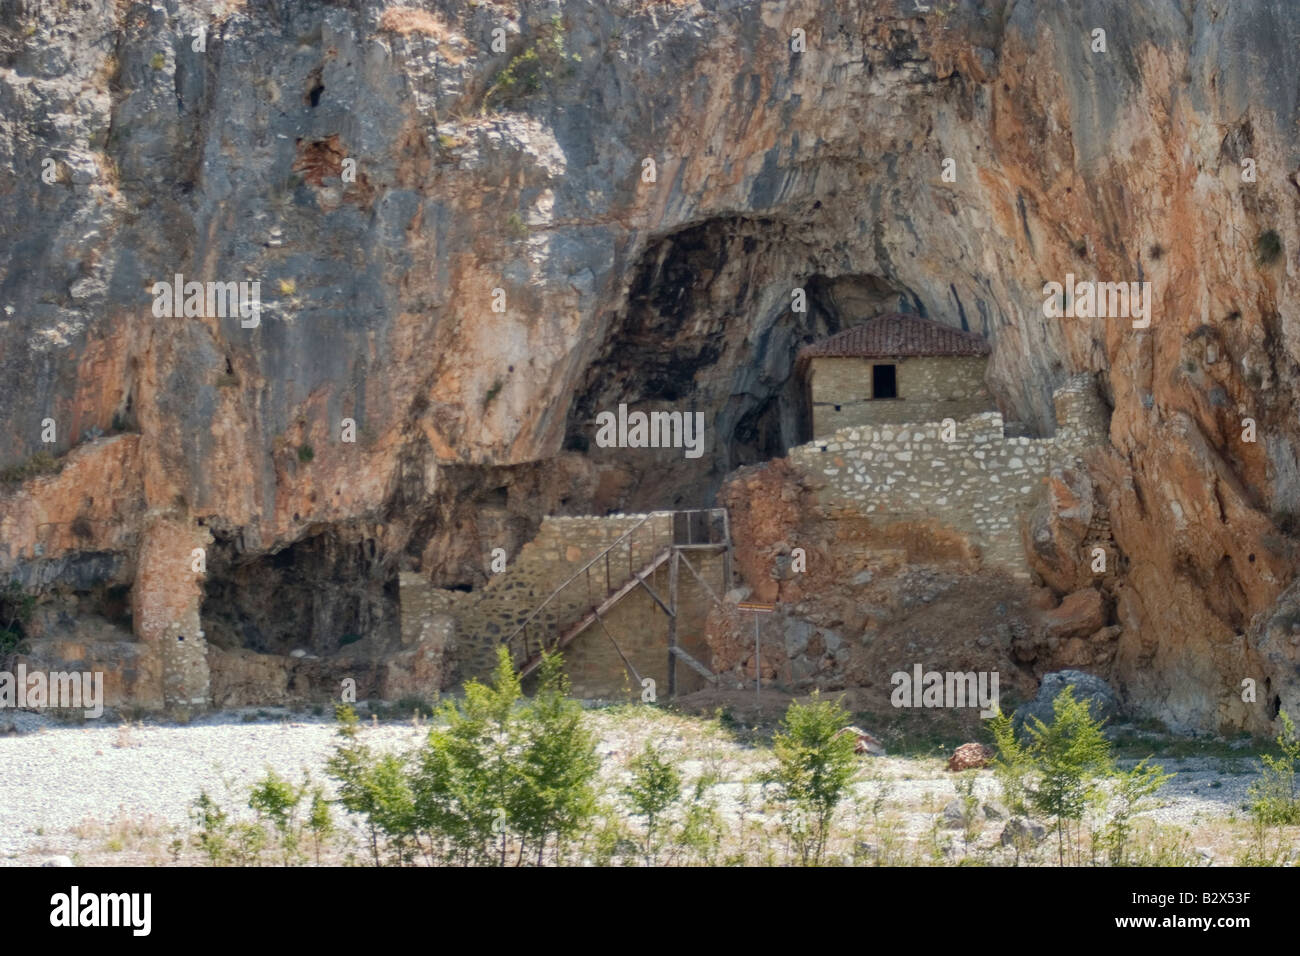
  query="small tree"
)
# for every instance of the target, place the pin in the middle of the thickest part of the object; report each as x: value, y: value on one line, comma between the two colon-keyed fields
x: 1132, y: 790
x: 374, y: 788
x: 319, y: 820
x: 815, y: 765
x: 1273, y: 797
x: 277, y: 800
x: 558, y: 762
x: 468, y: 785
x: 213, y: 829
x: 655, y: 787
x: 1068, y: 756
x: 1012, y: 765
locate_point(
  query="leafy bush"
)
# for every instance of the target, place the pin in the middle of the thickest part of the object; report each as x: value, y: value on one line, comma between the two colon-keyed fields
x: 1068, y: 757
x: 1057, y: 772
x: 655, y: 787
x: 1132, y: 790
x: 815, y: 766
x: 373, y: 787
x: 504, y: 776
x: 541, y: 64
x: 277, y: 800
x: 1273, y: 799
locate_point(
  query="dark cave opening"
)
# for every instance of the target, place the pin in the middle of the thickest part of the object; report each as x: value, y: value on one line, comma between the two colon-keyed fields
x: 319, y: 594
x: 715, y: 317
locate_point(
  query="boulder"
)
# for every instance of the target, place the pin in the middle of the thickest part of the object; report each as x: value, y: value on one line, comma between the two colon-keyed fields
x: 1080, y: 614
x: 952, y: 815
x: 797, y: 633
x: 970, y: 757
x: 1103, y: 704
x: 864, y: 743
x: 1023, y: 832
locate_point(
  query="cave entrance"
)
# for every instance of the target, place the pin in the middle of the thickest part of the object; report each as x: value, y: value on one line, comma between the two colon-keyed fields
x: 319, y: 595
x: 715, y: 317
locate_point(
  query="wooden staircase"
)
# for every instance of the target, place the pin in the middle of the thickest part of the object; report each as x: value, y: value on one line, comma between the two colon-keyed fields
x: 601, y: 584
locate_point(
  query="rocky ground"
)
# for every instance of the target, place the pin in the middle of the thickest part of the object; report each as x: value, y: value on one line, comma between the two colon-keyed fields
x: 105, y: 793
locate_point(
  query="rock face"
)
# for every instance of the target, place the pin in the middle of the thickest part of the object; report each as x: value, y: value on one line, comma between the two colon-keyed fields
x: 465, y: 254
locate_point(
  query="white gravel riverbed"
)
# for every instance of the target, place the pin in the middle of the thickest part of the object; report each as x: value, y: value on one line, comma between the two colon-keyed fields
x: 56, y: 776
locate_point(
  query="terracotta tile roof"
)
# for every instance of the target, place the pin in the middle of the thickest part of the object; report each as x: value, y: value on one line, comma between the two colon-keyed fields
x: 896, y: 336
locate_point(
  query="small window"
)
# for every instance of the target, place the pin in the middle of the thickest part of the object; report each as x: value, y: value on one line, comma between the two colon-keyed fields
x: 884, y: 381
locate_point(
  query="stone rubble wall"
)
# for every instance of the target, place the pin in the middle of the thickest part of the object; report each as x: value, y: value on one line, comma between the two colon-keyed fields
x: 562, y: 547
x: 980, y: 483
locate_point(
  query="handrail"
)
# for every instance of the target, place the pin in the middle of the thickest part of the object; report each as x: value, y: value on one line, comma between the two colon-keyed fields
x: 625, y: 537
x: 583, y: 570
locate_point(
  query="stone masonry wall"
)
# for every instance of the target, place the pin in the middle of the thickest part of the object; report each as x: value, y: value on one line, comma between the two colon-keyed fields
x: 929, y: 389
x: 562, y: 546
x: 471, y: 625
x: 980, y: 483
x: 640, y: 627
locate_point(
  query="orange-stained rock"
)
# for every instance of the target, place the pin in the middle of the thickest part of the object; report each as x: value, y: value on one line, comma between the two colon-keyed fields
x: 970, y: 757
x: 1080, y: 613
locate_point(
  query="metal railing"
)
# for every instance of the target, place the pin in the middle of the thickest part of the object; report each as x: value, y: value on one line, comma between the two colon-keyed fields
x: 588, y: 587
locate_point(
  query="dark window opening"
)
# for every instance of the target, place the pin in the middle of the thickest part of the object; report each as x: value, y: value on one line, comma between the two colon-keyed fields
x: 884, y: 381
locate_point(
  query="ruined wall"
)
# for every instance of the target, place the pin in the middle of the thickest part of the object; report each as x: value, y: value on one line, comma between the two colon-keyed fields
x: 980, y: 483
x: 930, y: 389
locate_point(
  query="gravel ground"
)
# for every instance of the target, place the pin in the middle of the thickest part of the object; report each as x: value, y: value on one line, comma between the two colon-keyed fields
x: 55, y: 777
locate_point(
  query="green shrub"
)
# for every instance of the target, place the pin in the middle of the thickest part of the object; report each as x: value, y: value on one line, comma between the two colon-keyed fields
x: 373, y: 787
x: 277, y: 800
x: 1068, y: 757
x: 319, y: 820
x: 1273, y: 799
x: 1130, y: 796
x: 306, y: 453
x: 504, y: 777
x: 516, y: 227
x: 655, y: 787
x: 544, y: 62
x: 815, y: 766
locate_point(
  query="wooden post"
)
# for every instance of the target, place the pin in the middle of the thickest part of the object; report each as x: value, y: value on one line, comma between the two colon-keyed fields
x: 672, y: 626
x: 758, y: 663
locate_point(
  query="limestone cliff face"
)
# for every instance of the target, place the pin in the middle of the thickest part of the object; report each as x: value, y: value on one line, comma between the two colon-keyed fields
x: 524, y: 171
